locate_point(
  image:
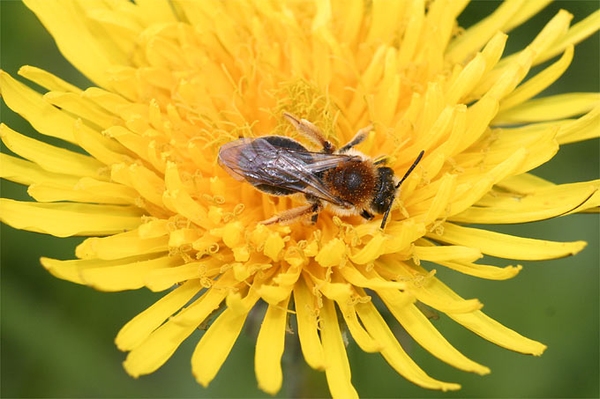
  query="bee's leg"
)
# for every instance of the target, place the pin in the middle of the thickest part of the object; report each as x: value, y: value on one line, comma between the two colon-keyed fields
x: 358, y: 138
x: 307, y: 128
x: 366, y: 214
x: 291, y: 215
x: 314, y: 218
x: 382, y: 160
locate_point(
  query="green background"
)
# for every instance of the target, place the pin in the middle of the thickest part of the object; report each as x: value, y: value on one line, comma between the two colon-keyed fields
x: 57, y: 337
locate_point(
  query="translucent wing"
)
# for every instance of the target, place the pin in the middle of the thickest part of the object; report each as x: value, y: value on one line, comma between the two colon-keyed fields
x: 281, y: 166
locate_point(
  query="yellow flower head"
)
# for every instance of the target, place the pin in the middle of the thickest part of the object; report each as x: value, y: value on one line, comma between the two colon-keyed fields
x: 176, y: 81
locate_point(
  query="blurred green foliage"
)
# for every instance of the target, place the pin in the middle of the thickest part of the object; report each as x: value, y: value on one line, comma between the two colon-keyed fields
x: 57, y: 337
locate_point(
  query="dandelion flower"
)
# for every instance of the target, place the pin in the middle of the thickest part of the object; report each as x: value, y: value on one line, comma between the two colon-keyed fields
x: 174, y: 81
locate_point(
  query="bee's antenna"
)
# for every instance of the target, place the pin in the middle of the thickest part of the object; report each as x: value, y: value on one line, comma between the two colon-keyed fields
x: 412, y: 167
x: 408, y: 172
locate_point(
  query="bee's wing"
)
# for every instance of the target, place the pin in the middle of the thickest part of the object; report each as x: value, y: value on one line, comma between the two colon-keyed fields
x: 229, y: 156
x: 260, y: 162
x: 322, y: 161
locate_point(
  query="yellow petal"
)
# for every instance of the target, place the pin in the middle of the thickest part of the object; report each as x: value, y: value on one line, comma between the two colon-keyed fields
x: 177, y: 199
x: 126, y: 275
x: 335, y: 291
x: 431, y: 190
x: 352, y: 21
x: 243, y: 271
x: 421, y: 329
x: 83, y: 219
x: 76, y: 104
x: 441, y: 253
x: 138, y: 143
x: 197, y: 313
x: 165, y: 278
x: 269, y: 348
x: 468, y: 78
x: 25, y: 172
x: 527, y: 11
x: 121, y: 246
x: 434, y: 132
x: 273, y: 294
x: 483, y: 271
x: 51, y: 121
x: 385, y: 17
x: 577, y: 33
x: 544, y: 204
x: 144, y: 181
x: 558, y: 26
x: 536, y: 84
x: 358, y: 332
x: 434, y: 293
x: 470, y: 192
x: 112, y: 102
x: 69, y: 270
x: 50, y: 158
x: 386, y: 100
x: 459, y: 137
x: 371, y: 281
x: 45, y: 118
x: 477, y: 35
x: 437, y: 207
x: 290, y: 276
x: 307, y: 312
x: 99, y: 146
x: 274, y: 245
x: 540, y: 146
x: 115, y: 275
x: 85, y: 190
x: 581, y: 129
x: 400, y: 235
x: 338, y: 369
x: 549, y: 108
x: 155, y: 350
x: 88, y: 51
x: 477, y: 121
x: 525, y: 184
x: 141, y: 326
x: 539, y: 47
x: 215, y: 345
x: 47, y: 80
x: 122, y: 27
x: 333, y: 253
x: 504, y: 77
x: 426, y: 288
x: 495, y: 332
x: 414, y: 26
x: 158, y: 347
x: 507, y: 246
x: 183, y: 237
x: 393, y: 352
x: 492, y: 52
x: 370, y: 251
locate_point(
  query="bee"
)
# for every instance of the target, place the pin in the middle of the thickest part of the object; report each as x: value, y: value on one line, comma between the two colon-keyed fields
x: 343, y: 180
